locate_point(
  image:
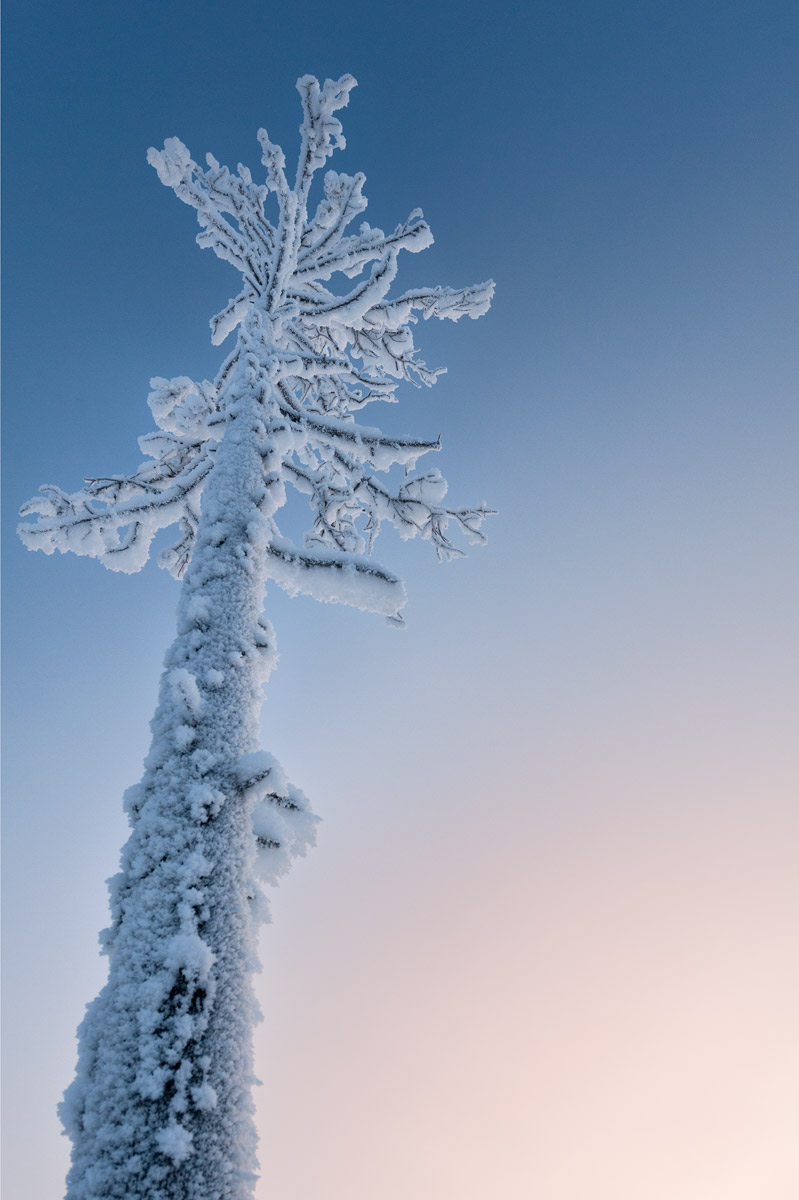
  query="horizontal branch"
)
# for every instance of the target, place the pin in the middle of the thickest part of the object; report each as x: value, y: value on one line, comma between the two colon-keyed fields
x: 352, y: 254
x: 75, y: 522
x: 443, y: 302
x: 345, y: 310
x: 335, y: 578
x: 362, y: 442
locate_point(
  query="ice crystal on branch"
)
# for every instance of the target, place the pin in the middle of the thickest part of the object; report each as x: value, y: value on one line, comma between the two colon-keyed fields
x: 319, y: 356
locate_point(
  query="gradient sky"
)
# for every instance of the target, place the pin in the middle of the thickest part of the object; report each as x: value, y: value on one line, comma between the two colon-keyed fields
x: 546, y: 947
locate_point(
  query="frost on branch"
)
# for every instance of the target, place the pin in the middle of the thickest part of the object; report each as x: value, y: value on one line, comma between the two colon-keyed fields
x: 316, y: 356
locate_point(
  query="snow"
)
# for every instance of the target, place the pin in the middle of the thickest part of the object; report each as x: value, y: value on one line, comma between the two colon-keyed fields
x: 175, y: 1142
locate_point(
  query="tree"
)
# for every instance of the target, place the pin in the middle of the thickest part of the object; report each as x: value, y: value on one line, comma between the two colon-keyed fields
x: 161, y: 1108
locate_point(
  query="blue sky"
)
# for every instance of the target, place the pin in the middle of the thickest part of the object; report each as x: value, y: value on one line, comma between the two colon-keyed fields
x: 585, y: 737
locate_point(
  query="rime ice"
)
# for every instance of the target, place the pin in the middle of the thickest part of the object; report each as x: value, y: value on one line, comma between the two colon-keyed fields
x: 160, y: 1108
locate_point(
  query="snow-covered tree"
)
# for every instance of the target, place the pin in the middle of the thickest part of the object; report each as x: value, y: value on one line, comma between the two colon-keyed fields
x: 161, y: 1106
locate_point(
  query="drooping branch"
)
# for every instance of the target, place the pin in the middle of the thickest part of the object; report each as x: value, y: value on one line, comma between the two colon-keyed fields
x: 335, y: 577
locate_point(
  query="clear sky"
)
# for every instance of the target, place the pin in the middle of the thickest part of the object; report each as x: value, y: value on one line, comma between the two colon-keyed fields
x: 546, y: 947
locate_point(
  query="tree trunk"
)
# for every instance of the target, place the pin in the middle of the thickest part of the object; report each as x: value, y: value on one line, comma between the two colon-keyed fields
x: 161, y: 1106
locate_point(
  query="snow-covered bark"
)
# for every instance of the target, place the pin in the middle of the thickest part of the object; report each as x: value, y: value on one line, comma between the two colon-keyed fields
x: 160, y: 1108
x: 161, y: 1105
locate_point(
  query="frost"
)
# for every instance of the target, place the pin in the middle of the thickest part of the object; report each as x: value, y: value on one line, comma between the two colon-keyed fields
x: 257, y: 772
x: 204, y: 1097
x: 185, y: 691
x: 197, y: 610
x: 184, y: 736
x: 204, y: 801
x: 202, y: 759
x: 188, y: 952
x: 175, y: 1142
x: 283, y: 825
x: 132, y: 799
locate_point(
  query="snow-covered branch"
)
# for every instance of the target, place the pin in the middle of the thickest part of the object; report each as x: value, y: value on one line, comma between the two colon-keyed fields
x: 350, y: 255
x: 342, y: 203
x: 213, y: 193
x: 114, y: 520
x: 335, y: 577
x: 317, y: 355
